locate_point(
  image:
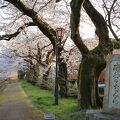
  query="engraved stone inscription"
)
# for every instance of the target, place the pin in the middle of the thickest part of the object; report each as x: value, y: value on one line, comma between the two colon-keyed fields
x: 114, y: 91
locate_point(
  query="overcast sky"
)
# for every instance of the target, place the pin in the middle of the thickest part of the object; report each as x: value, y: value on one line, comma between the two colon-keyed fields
x: 87, y: 31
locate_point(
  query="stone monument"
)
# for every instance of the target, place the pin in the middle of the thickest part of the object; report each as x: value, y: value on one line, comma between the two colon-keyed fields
x: 112, y: 89
x: 111, y: 102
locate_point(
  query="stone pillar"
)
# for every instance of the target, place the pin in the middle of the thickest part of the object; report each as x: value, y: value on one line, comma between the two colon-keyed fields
x: 111, y: 104
x: 112, y: 89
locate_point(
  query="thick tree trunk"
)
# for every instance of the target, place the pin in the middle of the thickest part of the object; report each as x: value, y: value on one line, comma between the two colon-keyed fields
x: 29, y: 75
x: 63, y: 78
x: 45, y: 81
x: 89, y: 71
x: 93, y: 61
x: 35, y: 77
x: 21, y: 74
x: 32, y: 74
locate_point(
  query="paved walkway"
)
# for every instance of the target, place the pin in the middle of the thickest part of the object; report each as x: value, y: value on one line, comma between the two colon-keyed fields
x: 15, y: 106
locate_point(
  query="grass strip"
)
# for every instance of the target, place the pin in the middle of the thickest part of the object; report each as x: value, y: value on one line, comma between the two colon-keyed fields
x: 44, y: 100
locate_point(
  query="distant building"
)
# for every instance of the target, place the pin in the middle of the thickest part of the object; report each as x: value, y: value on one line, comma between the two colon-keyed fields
x: 102, y: 76
x: 72, y: 78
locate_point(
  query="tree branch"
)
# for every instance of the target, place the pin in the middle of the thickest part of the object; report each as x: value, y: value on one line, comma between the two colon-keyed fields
x: 42, y: 25
x: 74, y: 22
x: 99, y: 22
x: 9, y: 36
x: 4, y: 6
x: 105, y: 45
x: 108, y: 16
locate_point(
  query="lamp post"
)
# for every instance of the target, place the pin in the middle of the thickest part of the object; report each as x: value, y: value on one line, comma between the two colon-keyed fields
x: 59, y: 36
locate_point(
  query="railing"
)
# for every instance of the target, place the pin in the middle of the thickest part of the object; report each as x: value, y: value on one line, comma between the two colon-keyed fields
x: 2, y: 82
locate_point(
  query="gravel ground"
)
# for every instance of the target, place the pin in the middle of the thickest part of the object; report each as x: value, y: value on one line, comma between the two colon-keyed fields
x: 14, y: 104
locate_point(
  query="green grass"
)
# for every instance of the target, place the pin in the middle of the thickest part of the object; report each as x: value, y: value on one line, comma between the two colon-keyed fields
x: 44, y: 99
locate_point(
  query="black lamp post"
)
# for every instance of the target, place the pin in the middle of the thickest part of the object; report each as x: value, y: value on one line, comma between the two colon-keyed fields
x: 59, y: 36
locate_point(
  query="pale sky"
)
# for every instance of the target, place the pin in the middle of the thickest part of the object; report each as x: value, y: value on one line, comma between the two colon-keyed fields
x: 87, y: 31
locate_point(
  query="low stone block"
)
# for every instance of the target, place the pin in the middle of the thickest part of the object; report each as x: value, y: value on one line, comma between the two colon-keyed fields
x: 99, y: 115
x: 49, y: 117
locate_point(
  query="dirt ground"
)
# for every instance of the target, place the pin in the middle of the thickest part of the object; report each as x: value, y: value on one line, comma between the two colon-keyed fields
x: 14, y: 104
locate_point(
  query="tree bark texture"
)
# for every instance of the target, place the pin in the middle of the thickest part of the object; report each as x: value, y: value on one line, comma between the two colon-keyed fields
x: 90, y: 68
x: 35, y: 77
x: 45, y: 81
x: 93, y: 61
x: 21, y: 74
x: 63, y: 83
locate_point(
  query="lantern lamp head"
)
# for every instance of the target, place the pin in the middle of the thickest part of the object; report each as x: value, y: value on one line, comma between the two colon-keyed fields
x: 60, y: 33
